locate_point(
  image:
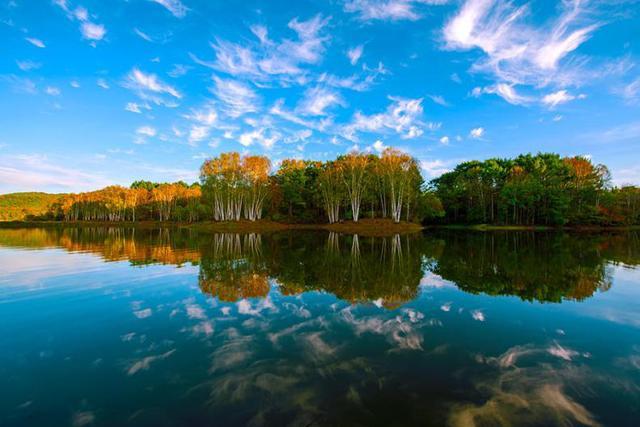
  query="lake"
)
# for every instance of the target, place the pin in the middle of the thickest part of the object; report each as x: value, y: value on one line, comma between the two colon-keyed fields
x: 160, y: 327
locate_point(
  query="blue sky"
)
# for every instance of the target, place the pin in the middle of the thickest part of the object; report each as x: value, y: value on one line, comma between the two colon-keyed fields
x: 107, y: 92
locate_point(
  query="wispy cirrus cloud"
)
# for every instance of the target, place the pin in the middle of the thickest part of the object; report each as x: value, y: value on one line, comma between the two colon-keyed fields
x: 90, y: 30
x: 518, y: 53
x: 202, y: 121
x: 269, y: 59
x: 239, y: 98
x: 354, y: 54
x: 560, y: 97
x: 631, y: 91
x: 28, y: 65
x: 142, y: 35
x: 176, y: 7
x: 149, y: 86
x: 388, y: 10
x: 36, y: 42
x: 506, y: 91
x: 317, y: 100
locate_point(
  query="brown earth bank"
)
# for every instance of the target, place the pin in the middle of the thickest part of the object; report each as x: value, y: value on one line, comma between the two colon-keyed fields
x: 365, y: 227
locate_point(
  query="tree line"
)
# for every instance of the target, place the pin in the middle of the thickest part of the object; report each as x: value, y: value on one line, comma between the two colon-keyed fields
x: 233, y: 187
x: 542, y: 189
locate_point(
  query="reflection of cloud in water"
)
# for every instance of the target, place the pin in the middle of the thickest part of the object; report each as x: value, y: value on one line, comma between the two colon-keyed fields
x: 431, y: 280
x: 299, y: 311
x: 194, y: 311
x: 205, y: 327
x: 84, y: 418
x: 414, y: 316
x: 233, y: 353
x: 245, y: 307
x: 317, y: 348
x: 396, y: 331
x: 274, y: 337
x: 145, y: 363
x: 563, y: 353
x: 143, y: 314
x: 478, y: 315
x: 526, y: 396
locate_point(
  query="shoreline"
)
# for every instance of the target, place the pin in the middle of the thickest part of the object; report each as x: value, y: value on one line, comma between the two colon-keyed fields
x: 365, y: 227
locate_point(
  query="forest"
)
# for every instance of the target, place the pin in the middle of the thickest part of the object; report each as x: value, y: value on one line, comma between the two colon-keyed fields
x: 542, y: 189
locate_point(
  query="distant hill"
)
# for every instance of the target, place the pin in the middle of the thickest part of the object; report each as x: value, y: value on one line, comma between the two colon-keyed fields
x: 20, y: 206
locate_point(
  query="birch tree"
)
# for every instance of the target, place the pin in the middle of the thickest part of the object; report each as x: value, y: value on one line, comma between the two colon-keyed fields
x: 353, y: 168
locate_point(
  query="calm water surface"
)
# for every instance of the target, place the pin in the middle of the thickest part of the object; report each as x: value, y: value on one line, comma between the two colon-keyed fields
x: 115, y: 327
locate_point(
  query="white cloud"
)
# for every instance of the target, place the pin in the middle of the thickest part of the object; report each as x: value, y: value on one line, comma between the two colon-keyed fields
x: 270, y: 59
x: 354, y: 54
x: 631, y: 92
x: 142, y: 35
x: 559, y: 97
x: 197, y: 133
x: 149, y: 87
x: 102, y: 83
x: 476, y: 133
x: 176, y: 7
x: 52, y: 90
x: 178, y: 70
x: 391, y: 10
x: 36, y: 42
x: 433, y: 168
x: 517, y: 53
x: 91, y: 31
x: 353, y: 82
x: 279, y: 110
x: 238, y: 97
x: 146, y: 131
x: 133, y: 107
x: 316, y: 100
x: 439, y: 99
x: 74, y: 84
x: 444, y: 140
x: 203, y: 120
x: 402, y: 116
x: 379, y: 146
x: 414, y: 132
x: 28, y: 65
x: 503, y: 90
x: 259, y: 136
x: 205, y: 116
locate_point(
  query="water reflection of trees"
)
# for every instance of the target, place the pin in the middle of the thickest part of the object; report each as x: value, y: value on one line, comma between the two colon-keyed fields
x: 139, y: 246
x: 533, y: 266
x: 233, y: 267
x: 353, y: 268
